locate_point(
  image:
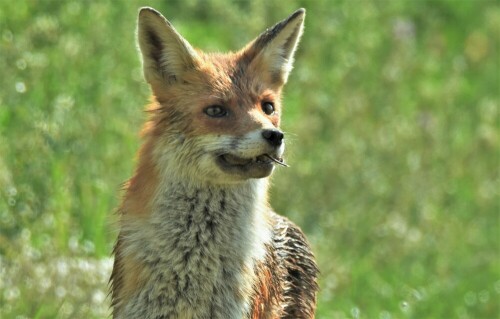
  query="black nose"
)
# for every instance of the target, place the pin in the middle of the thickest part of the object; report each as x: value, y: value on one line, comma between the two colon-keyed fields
x: 273, y: 137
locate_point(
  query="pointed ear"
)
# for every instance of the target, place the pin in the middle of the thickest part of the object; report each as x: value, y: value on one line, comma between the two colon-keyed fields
x: 166, y: 55
x: 272, y: 52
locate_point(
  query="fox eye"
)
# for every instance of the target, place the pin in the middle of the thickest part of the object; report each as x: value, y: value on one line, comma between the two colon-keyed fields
x: 216, y: 111
x: 268, y: 108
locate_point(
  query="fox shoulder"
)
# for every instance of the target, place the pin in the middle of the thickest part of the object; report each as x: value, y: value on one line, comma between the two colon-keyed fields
x: 299, y: 267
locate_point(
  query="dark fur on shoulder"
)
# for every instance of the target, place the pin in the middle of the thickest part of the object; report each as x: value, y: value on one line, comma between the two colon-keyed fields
x: 288, y: 276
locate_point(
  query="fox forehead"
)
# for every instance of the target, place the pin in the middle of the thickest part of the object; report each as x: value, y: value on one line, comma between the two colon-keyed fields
x: 227, y: 78
x: 218, y: 79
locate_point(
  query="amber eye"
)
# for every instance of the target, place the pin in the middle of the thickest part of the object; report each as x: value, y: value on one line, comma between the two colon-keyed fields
x: 216, y: 111
x: 268, y: 108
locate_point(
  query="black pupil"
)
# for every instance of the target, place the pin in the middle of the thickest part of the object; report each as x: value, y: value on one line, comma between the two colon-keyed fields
x: 268, y: 108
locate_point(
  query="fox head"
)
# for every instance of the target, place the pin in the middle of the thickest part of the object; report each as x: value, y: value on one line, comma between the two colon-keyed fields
x: 215, y: 117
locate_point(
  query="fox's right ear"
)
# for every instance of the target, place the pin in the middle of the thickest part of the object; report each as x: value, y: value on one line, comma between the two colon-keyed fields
x: 166, y: 55
x: 272, y: 52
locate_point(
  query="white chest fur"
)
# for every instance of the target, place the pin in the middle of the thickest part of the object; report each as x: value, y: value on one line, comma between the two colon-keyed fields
x: 198, y: 248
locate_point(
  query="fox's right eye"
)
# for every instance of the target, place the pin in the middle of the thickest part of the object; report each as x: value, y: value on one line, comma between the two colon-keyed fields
x: 216, y: 111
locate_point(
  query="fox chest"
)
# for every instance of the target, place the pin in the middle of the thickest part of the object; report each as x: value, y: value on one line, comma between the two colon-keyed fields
x: 198, y: 258
x: 201, y: 291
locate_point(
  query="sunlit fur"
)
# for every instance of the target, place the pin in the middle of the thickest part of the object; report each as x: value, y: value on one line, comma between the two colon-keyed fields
x: 195, y: 239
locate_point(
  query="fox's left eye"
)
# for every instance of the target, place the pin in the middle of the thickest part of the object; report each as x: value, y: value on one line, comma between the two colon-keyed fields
x: 268, y: 108
x: 216, y: 111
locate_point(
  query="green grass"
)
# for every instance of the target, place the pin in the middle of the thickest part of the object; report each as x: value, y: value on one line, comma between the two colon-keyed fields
x: 393, y: 125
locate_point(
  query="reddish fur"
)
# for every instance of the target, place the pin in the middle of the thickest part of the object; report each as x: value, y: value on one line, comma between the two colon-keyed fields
x: 210, y: 84
x: 268, y: 293
x: 240, y: 82
x: 188, y: 101
x: 141, y: 188
x: 175, y: 102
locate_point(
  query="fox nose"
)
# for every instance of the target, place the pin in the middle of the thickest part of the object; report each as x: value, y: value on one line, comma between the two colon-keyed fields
x: 273, y: 137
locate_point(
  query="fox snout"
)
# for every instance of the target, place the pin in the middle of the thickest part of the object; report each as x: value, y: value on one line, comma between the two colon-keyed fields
x: 251, y: 155
x: 273, y: 137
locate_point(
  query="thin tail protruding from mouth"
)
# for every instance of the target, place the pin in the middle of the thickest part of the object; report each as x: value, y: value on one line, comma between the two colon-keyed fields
x: 278, y: 161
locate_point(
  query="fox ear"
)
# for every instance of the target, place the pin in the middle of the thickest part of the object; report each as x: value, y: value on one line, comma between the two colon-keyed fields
x: 166, y: 55
x: 274, y: 49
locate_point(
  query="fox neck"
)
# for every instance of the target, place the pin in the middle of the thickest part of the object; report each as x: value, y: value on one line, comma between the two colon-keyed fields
x: 198, y: 247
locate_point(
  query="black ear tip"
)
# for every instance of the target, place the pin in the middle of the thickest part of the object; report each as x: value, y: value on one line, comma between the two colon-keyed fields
x: 299, y: 13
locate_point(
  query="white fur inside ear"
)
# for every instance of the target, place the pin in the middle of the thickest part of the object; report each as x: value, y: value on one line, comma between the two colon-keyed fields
x: 281, y: 50
x: 165, y: 53
x: 278, y: 46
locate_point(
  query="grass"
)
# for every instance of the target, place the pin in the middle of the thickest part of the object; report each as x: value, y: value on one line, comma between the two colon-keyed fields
x: 392, y: 109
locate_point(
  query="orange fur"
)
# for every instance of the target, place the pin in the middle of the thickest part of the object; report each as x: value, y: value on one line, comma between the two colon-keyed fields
x: 197, y: 237
x: 141, y: 188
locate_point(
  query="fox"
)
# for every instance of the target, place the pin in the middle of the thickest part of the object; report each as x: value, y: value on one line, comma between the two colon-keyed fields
x: 197, y: 237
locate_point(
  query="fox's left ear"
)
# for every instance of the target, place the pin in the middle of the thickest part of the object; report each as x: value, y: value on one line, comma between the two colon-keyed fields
x: 272, y: 52
x: 166, y: 55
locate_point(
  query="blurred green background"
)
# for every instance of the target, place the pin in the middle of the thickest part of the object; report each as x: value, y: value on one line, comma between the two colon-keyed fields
x: 393, y: 139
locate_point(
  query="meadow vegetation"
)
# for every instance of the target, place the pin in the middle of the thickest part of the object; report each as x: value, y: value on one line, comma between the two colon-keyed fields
x: 392, y: 121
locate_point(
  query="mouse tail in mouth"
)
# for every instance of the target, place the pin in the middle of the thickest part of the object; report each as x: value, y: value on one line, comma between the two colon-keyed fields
x: 278, y: 161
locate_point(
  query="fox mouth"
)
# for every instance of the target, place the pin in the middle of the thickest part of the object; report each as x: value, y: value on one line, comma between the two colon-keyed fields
x: 255, y: 167
x: 264, y: 159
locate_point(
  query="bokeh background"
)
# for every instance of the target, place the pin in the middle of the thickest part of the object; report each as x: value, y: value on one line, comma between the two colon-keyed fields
x: 393, y: 139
